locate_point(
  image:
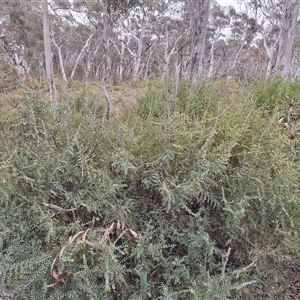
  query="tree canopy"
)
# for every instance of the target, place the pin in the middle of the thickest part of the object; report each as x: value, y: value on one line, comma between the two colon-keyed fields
x: 152, y: 38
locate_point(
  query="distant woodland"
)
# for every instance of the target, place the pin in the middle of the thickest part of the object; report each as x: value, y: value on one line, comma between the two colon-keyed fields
x: 136, y: 39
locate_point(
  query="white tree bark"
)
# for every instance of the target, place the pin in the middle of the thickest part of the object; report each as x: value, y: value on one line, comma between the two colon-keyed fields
x: 90, y: 60
x: 138, y: 57
x: 121, y: 51
x: 107, y: 62
x: 270, y: 53
x: 149, y: 59
x: 81, y: 55
x: 233, y: 66
x: 168, y: 53
x: 48, y: 52
x: 212, y: 60
x: 198, y: 45
x: 287, y: 34
x: 61, y: 63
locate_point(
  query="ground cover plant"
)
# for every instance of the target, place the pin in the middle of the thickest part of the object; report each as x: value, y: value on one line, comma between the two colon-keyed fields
x: 192, y: 193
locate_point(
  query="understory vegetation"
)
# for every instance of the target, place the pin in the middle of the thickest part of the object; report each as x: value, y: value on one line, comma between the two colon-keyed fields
x: 192, y: 193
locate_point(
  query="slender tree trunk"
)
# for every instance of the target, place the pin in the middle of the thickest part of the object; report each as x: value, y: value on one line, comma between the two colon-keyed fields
x: 107, y: 63
x: 233, y: 66
x: 119, y: 70
x: 270, y: 62
x: 148, y: 61
x: 287, y: 34
x: 61, y: 63
x: 270, y: 53
x: 168, y: 53
x: 81, y: 55
x: 138, y: 58
x: 212, y: 60
x: 121, y: 64
x: 48, y: 52
x: 88, y: 68
x: 108, y: 107
x: 198, y: 45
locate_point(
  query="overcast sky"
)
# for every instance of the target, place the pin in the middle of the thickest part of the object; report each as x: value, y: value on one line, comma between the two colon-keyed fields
x: 229, y: 2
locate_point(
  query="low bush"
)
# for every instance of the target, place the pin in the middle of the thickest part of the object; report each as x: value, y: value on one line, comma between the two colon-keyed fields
x: 190, y: 195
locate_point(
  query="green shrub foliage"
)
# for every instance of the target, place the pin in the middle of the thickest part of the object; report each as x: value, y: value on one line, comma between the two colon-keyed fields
x: 192, y: 194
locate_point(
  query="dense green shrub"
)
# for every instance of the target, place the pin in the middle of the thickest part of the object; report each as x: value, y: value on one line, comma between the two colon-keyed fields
x: 191, y: 195
x: 273, y: 93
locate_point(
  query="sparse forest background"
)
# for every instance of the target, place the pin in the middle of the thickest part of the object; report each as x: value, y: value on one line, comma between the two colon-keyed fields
x: 141, y: 39
x: 165, y: 164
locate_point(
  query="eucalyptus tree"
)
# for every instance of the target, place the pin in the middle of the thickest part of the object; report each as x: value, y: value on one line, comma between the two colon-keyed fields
x: 270, y: 39
x: 286, y: 37
x: 152, y: 33
x: 137, y: 36
x: 231, y: 40
x: 174, y: 33
x: 277, y: 21
x: 21, y: 41
x: 219, y: 23
x: 48, y: 52
x: 75, y: 31
x: 89, y: 40
x: 244, y: 34
x: 200, y: 16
